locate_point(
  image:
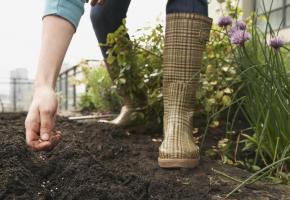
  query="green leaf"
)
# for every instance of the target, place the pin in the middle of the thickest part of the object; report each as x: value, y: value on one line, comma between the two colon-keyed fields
x: 122, y: 80
x: 111, y: 59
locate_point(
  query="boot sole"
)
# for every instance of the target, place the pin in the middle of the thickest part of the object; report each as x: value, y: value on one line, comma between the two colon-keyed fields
x: 178, y: 163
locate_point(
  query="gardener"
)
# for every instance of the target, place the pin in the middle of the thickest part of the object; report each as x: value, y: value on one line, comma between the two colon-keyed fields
x: 187, y: 30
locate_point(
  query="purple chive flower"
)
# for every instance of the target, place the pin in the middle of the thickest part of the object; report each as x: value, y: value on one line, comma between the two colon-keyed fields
x: 276, y: 43
x: 239, y: 37
x: 225, y: 21
x: 240, y: 25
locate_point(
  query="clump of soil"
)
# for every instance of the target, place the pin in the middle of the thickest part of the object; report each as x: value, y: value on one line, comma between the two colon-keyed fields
x: 100, y: 161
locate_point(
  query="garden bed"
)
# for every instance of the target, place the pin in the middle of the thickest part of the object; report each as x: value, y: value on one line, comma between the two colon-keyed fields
x: 100, y: 161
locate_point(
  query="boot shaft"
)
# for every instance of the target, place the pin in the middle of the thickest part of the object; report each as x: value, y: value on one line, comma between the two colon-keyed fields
x: 185, y: 38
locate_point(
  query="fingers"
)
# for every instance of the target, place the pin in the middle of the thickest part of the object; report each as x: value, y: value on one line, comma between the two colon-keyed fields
x: 101, y: 2
x: 32, y: 125
x: 55, y: 139
x: 37, y: 122
x: 46, y: 124
x: 39, y: 145
x: 95, y: 2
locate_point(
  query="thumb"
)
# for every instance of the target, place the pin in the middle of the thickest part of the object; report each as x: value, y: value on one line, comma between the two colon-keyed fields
x: 46, y: 124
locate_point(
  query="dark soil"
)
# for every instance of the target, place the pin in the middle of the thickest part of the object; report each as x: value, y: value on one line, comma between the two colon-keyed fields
x: 99, y: 161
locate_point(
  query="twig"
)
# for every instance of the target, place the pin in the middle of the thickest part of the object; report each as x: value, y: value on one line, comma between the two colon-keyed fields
x: 237, y: 147
x: 255, y: 174
x: 93, y: 117
x: 225, y: 175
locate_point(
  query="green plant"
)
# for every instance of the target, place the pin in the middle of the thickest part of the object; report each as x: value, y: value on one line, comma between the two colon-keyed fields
x: 286, y: 56
x: 263, y: 96
x: 219, y: 78
x: 262, y: 93
x: 266, y: 87
x: 219, y: 84
x: 219, y: 75
x: 139, y: 67
x: 99, y: 95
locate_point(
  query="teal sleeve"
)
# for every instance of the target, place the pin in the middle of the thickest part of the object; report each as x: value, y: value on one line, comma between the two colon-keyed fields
x: 71, y: 10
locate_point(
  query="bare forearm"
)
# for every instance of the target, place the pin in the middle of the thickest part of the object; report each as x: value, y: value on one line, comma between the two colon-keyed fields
x: 56, y: 37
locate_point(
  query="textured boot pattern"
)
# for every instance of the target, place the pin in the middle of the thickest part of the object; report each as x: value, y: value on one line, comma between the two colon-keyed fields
x: 185, y: 38
x: 178, y: 141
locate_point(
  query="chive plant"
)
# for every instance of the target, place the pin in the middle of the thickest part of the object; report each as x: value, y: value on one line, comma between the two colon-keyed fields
x: 265, y: 90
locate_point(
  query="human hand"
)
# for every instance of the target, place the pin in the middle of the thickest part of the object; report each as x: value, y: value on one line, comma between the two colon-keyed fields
x: 39, y: 122
x: 95, y: 2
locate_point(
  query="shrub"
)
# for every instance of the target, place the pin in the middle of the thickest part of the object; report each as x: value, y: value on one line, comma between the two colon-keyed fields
x: 218, y: 75
x: 263, y: 95
x: 139, y: 63
x: 219, y: 78
x: 259, y: 87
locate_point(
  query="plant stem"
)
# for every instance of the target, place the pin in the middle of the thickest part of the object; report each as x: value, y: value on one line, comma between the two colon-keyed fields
x: 255, y: 174
x: 227, y: 176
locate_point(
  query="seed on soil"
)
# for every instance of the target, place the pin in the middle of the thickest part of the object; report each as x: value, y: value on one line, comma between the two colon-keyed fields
x: 41, y: 157
x: 100, y: 147
x: 156, y: 140
x: 184, y: 181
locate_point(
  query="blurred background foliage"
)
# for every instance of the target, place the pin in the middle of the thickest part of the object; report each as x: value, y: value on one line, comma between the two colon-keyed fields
x: 99, y: 95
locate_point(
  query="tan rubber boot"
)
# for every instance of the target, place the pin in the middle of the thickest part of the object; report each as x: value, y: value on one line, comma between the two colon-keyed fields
x: 127, y: 115
x: 185, y: 39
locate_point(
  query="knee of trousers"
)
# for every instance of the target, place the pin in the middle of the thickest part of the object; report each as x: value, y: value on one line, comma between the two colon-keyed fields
x: 102, y: 22
x: 71, y: 10
x: 187, y: 6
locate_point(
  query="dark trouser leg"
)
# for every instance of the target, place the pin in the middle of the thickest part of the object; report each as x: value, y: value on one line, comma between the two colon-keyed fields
x: 187, y: 6
x: 107, y: 18
x: 187, y: 29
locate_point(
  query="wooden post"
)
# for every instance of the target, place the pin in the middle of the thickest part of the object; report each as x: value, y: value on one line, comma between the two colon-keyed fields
x: 14, y: 95
x: 74, y: 88
x: 66, y: 90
